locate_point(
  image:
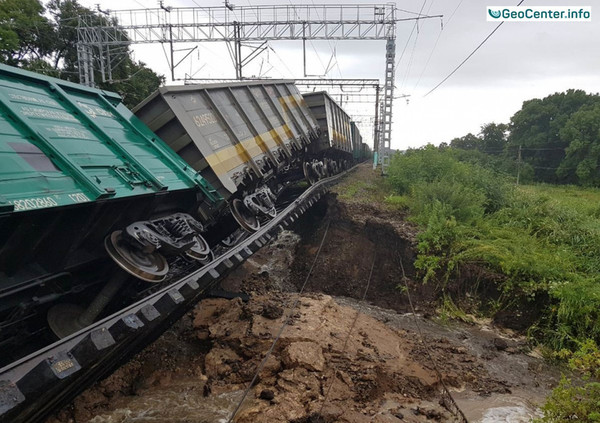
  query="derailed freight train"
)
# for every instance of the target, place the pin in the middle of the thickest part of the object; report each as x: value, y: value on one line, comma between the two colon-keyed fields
x: 247, y: 139
x: 334, y: 150
x: 83, y: 181
x: 97, y: 212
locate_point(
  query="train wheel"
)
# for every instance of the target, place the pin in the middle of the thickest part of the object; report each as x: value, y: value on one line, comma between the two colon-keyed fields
x: 201, y: 251
x: 333, y: 167
x: 235, y: 238
x: 202, y: 259
x: 262, y: 203
x: 244, y: 216
x: 65, y: 319
x: 149, y: 267
x: 308, y: 173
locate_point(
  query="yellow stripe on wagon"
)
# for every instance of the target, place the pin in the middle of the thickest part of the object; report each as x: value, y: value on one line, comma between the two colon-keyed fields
x: 233, y: 156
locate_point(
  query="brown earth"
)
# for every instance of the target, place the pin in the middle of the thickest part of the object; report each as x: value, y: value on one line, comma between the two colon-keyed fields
x: 378, y: 375
x: 361, y: 232
x: 386, y: 370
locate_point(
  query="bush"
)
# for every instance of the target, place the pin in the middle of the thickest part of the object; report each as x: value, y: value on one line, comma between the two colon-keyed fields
x: 569, y: 403
x: 430, y: 165
x: 465, y: 204
x: 423, y: 165
x: 543, y: 241
x: 586, y: 359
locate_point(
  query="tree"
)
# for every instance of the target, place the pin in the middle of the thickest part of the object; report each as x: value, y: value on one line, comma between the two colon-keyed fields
x: 468, y: 142
x: 49, y: 45
x: 536, y: 128
x: 65, y: 14
x: 493, y: 138
x: 26, y: 35
x: 582, y: 133
x: 140, y: 83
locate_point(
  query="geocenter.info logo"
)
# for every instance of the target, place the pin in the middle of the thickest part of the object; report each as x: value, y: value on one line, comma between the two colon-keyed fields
x: 540, y: 13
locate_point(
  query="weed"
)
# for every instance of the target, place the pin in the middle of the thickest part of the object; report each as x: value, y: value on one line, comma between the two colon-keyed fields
x: 544, y: 240
x: 569, y: 403
x: 449, y: 311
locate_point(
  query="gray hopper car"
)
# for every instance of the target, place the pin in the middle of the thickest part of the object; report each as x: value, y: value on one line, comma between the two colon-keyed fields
x: 334, y: 149
x: 356, y: 143
x: 243, y: 137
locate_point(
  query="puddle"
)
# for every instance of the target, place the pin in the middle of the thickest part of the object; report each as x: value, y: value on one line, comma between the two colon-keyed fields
x: 511, y: 408
x: 514, y: 414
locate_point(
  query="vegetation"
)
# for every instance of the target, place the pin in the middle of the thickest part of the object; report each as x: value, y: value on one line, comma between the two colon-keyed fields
x: 569, y: 403
x: 555, y: 140
x: 541, y: 243
x: 538, y: 244
x: 43, y: 39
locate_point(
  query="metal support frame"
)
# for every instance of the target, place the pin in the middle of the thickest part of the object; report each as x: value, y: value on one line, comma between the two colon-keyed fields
x: 384, y: 143
x: 98, y: 44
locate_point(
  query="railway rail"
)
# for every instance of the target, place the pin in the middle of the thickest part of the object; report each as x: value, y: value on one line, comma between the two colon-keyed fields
x: 34, y: 386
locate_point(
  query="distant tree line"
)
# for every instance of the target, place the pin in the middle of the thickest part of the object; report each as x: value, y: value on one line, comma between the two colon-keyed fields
x: 555, y: 139
x: 42, y: 38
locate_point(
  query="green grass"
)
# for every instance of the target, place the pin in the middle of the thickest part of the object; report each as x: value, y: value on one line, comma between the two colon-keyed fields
x: 572, y: 403
x: 539, y: 248
x: 369, y: 189
x: 541, y: 241
x: 584, y: 200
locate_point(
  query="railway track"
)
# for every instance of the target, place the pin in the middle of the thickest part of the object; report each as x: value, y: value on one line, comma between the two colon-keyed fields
x: 34, y: 386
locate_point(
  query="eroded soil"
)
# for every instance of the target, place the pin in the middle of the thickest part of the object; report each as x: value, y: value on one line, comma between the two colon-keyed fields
x: 390, y: 366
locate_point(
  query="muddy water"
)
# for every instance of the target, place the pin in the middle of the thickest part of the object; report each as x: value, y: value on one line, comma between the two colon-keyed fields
x: 527, y: 378
x: 178, y: 403
x: 499, y: 408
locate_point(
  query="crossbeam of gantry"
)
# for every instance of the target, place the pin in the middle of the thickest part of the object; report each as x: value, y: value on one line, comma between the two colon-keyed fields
x: 277, y: 22
x: 100, y: 41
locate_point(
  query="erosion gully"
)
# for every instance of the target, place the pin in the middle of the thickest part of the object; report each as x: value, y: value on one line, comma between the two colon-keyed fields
x: 385, y: 372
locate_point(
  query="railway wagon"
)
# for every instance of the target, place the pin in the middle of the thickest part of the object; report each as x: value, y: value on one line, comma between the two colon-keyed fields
x: 366, y: 152
x: 245, y: 138
x: 357, y: 149
x: 92, y: 203
x: 333, y: 151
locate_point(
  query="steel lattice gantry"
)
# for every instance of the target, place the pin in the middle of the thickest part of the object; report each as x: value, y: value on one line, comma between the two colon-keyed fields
x: 101, y: 42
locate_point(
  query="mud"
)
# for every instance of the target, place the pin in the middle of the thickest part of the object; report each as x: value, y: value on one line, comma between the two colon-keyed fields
x: 359, y: 235
x: 391, y: 367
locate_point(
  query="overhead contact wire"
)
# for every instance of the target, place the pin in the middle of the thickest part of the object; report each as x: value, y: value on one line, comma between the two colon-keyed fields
x: 469, y: 56
x: 286, y: 322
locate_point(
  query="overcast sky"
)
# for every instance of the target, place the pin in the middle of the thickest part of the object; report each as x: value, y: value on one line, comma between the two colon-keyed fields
x: 522, y: 60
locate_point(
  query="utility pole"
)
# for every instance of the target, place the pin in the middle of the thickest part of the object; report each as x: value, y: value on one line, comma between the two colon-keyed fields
x: 519, y: 165
x: 376, y: 130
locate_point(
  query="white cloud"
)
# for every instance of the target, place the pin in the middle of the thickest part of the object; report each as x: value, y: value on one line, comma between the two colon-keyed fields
x: 521, y: 61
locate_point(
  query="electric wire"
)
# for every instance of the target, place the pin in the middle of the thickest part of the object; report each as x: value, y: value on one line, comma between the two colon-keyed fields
x: 286, y: 322
x: 410, y: 35
x: 333, y: 49
x: 453, y: 12
x: 412, y: 53
x: 437, y: 40
x: 515, y: 148
x: 352, y: 325
x: 435, y: 367
x: 211, y: 51
x: 469, y: 56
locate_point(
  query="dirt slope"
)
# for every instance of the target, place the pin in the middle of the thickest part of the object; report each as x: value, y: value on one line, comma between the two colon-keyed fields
x: 198, y: 370
x: 380, y: 375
